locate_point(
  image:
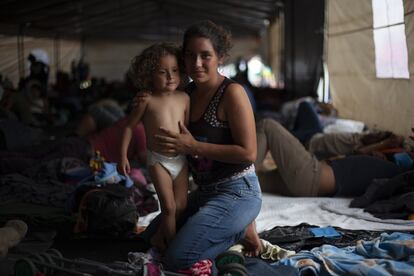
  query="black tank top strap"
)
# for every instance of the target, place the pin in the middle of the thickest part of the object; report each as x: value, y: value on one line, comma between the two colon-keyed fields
x: 211, y: 115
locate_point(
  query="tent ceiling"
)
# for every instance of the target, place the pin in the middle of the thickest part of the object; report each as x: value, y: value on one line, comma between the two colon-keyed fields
x: 133, y: 19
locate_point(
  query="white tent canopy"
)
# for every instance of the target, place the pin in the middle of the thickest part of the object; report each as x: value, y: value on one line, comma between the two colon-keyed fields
x: 357, y: 92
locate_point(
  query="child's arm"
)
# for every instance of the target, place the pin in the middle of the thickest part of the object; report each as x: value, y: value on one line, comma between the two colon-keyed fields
x: 133, y: 119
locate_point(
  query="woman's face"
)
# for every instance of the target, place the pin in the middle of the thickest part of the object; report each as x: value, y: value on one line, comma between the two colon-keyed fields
x: 200, y: 59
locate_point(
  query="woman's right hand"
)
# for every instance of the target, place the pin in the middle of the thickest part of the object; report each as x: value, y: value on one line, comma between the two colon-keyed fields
x: 140, y: 97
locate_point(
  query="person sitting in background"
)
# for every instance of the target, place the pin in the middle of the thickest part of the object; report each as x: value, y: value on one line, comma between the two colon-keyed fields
x: 299, y: 173
x: 99, y: 116
x: 29, y: 105
x: 107, y: 142
x: 39, y: 71
x: 308, y: 129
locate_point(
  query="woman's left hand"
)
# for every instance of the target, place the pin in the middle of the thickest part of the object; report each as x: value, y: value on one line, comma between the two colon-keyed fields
x: 176, y: 143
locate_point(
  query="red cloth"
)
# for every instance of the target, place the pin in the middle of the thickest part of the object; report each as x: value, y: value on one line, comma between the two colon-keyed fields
x: 201, y: 268
x: 108, y: 141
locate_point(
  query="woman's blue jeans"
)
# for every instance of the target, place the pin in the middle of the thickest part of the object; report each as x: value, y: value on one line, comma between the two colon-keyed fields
x: 216, y: 217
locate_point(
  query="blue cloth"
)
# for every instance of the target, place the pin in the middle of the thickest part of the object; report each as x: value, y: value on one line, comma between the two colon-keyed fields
x: 389, y: 254
x: 215, y: 218
x: 403, y: 160
x: 328, y: 232
x: 109, y: 173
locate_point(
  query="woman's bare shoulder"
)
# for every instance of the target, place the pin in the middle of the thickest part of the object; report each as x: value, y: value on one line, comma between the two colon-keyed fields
x: 234, y: 91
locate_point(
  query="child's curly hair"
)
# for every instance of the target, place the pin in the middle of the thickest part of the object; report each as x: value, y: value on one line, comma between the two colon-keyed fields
x: 143, y: 66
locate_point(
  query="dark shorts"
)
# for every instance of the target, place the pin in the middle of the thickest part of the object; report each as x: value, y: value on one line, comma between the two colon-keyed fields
x: 354, y: 174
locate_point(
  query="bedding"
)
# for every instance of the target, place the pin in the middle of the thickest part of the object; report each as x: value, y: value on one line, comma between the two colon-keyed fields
x: 321, y: 211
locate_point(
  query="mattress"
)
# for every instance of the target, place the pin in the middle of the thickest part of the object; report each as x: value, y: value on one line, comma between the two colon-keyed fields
x: 320, y: 211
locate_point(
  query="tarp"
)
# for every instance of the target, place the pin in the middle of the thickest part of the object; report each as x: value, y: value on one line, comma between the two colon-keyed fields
x: 350, y: 55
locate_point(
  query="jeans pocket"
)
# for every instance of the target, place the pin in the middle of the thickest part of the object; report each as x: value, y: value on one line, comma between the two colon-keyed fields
x: 252, y: 186
x: 233, y: 192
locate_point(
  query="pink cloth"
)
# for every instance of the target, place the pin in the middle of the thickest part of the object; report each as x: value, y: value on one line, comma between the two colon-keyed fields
x: 108, y: 141
x: 137, y: 176
x: 201, y: 268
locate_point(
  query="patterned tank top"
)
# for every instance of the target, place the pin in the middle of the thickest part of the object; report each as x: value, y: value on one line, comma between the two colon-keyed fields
x: 209, y: 128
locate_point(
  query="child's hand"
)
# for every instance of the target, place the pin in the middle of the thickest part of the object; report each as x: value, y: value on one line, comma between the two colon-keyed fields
x: 124, y: 167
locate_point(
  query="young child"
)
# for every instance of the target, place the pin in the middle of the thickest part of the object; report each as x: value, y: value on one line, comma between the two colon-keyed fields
x: 157, y: 69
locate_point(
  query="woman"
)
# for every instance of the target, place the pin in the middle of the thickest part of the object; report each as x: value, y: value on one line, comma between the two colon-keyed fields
x: 221, y: 143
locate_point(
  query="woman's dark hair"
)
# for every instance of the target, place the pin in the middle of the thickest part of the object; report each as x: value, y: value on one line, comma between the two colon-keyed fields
x: 143, y: 66
x: 220, y: 38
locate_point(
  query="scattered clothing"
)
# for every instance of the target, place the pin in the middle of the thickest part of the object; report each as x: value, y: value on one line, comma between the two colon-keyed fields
x: 403, y: 160
x: 200, y: 268
x: 389, y: 254
x: 108, y: 174
x: 300, y: 237
x: 49, y: 192
x: 389, y: 198
x: 270, y: 251
x: 274, y: 252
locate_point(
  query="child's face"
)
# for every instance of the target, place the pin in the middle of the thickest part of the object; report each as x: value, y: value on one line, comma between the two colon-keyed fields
x: 167, y: 76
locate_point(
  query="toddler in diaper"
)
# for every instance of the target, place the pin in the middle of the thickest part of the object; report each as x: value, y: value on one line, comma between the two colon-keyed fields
x: 157, y: 70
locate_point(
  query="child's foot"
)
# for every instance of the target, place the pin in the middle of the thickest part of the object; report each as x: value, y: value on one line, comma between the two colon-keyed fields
x: 252, y: 245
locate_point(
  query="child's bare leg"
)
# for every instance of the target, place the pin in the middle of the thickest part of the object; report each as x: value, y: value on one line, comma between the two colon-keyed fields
x: 164, y: 187
x: 180, y: 186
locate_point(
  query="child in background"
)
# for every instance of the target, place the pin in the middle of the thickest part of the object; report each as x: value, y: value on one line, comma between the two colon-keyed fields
x: 157, y: 69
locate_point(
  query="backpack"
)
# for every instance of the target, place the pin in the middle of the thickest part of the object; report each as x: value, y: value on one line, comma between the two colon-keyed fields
x: 107, y: 211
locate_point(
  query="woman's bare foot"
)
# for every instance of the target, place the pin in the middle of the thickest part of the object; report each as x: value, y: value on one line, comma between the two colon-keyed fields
x: 252, y: 245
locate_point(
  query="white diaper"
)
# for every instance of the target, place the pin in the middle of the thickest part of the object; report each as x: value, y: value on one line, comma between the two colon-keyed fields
x: 173, y: 164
